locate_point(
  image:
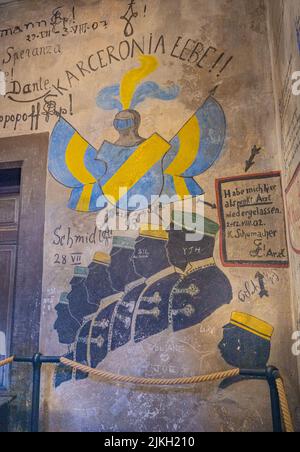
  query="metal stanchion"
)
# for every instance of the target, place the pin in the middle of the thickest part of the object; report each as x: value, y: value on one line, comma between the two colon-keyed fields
x: 37, y: 361
x: 272, y: 375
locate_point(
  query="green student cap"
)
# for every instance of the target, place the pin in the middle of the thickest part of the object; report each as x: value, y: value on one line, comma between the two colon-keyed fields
x: 194, y: 222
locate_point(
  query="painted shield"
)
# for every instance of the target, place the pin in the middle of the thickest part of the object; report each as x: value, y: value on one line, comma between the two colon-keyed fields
x: 134, y: 175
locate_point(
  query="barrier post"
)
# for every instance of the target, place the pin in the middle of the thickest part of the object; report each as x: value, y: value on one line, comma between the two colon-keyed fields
x: 272, y: 375
x: 36, y: 390
x: 36, y: 361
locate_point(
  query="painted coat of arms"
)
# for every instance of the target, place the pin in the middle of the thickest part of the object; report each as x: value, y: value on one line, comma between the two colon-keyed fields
x: 135, y: 166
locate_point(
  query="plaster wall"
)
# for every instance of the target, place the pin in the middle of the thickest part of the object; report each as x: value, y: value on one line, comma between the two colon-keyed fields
x: 56, y: 61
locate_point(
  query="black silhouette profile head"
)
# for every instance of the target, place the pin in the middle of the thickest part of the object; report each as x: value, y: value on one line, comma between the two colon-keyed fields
x: 246, y: 342
x: 191, y: 238
x: 121, y: 269
x: 66, y: 325
x: 150, y: 254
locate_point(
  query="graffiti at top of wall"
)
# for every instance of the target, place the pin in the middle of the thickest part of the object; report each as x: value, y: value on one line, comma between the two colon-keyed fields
x: 128, y: 17
x: 59, y: 21
x: 148, y: 167
x: 163, y: 288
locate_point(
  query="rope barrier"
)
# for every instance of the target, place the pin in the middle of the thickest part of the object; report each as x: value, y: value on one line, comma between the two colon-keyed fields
x: 150, y: 381
x: 6, y: 361
x: 109, y: 376
x: 284, y: 406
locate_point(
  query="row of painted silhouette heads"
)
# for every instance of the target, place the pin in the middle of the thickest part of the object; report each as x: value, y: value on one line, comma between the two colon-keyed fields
x: 130, y: 259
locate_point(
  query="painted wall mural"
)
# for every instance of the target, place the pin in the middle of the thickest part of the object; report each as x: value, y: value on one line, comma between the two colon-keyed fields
x: 133, y: 165
x: 169, y: 283
x: 147, y: 103
x: 163, y: 287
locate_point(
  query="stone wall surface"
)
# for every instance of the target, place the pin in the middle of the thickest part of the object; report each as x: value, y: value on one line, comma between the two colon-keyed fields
x: 284, y: 20
x: 135, y: 302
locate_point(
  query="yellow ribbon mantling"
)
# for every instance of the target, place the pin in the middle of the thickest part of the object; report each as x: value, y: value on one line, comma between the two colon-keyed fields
x: 85, y: 198
x: 180, y: 187
x: 75, y: 154
x: 189, y: 138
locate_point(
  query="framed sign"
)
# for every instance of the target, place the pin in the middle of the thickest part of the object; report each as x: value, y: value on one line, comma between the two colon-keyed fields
x: 252, y: 218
